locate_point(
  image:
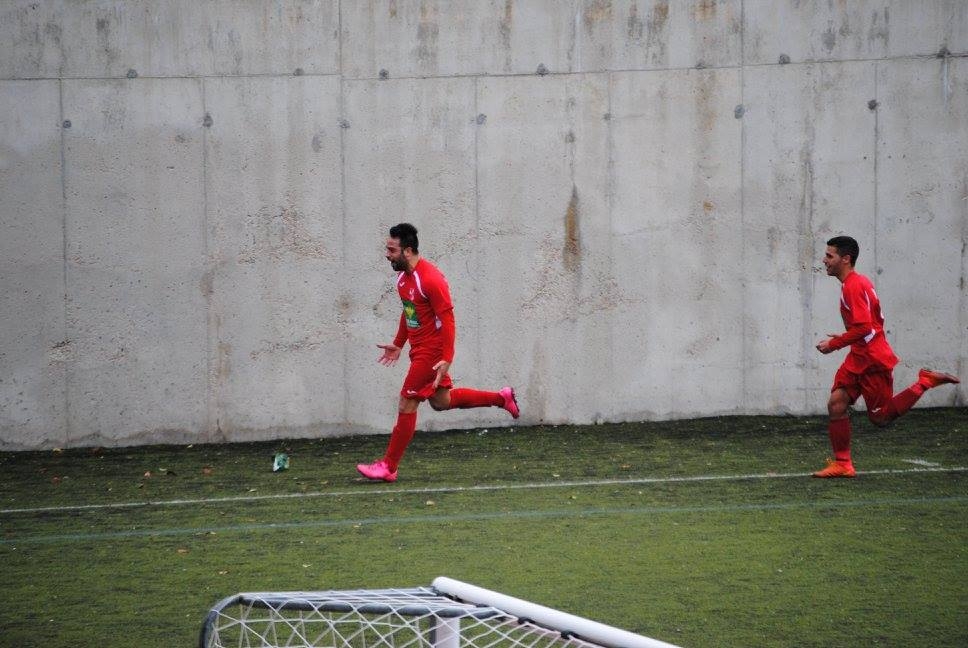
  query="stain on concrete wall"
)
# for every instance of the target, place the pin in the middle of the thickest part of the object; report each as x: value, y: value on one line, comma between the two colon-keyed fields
x: 572, y: 247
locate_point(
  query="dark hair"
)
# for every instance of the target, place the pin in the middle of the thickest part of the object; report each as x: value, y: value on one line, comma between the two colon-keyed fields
x: 407, y: 235
x: 846, y: 246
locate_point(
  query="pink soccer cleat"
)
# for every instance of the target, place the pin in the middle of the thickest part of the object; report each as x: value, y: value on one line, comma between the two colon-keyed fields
x: 510, y: 402
x: 377, y: 471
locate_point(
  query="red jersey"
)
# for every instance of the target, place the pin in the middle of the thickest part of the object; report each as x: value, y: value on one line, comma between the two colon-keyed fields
x: 428, y: 313
x: 861, y: 311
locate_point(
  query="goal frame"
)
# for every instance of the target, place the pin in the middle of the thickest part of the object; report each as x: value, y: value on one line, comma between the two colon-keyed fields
x: 446, y: 602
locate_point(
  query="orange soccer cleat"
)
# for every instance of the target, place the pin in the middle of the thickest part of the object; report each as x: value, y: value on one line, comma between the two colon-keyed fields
x: 836, y: 469
x: 929, y: 378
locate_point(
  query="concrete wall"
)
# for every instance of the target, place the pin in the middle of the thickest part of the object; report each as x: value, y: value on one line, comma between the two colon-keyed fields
x: 630, y: 200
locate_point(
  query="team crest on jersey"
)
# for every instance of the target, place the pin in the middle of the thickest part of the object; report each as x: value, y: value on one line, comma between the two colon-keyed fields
x: 410, y: 313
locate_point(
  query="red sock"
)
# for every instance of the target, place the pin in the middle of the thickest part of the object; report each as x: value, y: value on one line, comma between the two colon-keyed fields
x: 400, y: 438
x: 463, y: 398
x: 839, y: 432
x: 905, y: 400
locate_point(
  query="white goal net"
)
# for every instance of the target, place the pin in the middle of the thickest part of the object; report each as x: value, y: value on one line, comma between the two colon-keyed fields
x: 449, y: 614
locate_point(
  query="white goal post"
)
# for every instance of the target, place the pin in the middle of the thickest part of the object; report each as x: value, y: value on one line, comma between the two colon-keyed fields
x: 449, y: 614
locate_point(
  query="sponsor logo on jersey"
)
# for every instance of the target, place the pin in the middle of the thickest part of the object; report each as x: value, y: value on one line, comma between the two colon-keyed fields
x: 410, y: 313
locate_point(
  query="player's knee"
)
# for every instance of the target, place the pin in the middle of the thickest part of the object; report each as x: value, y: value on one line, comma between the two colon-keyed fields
x: 440, y: 402
x: 879, y: 418
x: 838, y: 404
x: 837, y: 408
x: 408, y: 405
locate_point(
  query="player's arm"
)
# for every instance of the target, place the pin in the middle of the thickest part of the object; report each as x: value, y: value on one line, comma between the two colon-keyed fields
x: 391, y: 352
x: 438, y: 292
x: 448, y: 334
x: 402, y: 332
x: 856, y: 332
x: 860, y: 324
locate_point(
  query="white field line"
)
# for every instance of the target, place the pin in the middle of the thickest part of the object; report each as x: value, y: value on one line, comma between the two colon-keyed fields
x: 921, y: 462
x: 462, y: 489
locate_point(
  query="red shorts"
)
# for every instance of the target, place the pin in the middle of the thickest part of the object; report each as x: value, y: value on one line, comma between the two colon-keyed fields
x: 419, y: 383
x: 877, y: 387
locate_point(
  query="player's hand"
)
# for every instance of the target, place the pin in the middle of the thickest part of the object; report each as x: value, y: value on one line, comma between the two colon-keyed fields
x: 390, y: 355
x: 823, y: 346
x: 441, y: 369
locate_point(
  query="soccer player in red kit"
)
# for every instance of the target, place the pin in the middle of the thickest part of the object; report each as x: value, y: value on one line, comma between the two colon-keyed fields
x: 427, y: 322
x: 868, y: 369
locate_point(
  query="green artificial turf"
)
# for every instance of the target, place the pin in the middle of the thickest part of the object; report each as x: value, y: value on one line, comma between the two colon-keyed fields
x: 700, y: 533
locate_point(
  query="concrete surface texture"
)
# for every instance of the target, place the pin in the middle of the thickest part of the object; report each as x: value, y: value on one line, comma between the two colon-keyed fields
x: 630, y: 200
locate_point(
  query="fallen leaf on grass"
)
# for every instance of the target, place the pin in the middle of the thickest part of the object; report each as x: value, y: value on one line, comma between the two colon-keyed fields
x: 182, y: 550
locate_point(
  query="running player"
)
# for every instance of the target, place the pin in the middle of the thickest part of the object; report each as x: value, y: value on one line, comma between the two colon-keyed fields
x: 427, y: 322
x: 868, y: 369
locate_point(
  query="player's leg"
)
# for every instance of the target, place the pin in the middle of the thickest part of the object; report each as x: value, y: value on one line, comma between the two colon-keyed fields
x: 839, y: 432
x: 882, y: 406
x: 466, y: 398
x: 843, y: 393
x: 417, y: 387
x: 440, y: 401
x: 402, y: 433
x: 929, y: 378
x: 385, y: 469
x: 904, y: 400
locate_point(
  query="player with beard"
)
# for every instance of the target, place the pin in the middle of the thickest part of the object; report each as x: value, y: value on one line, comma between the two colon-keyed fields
x: 427, y: 323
